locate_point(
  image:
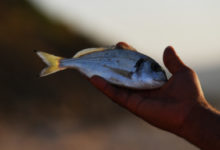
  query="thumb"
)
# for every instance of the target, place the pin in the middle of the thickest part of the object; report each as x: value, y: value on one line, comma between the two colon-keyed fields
x: 172, y: 60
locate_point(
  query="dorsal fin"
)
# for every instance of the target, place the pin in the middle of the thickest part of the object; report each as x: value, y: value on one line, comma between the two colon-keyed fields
x: 123, y: 45
x: 87, y: 51
x: 119, y: 45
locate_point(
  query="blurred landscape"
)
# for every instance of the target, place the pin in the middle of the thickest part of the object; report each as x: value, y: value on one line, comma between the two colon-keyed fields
x: 63, y: 111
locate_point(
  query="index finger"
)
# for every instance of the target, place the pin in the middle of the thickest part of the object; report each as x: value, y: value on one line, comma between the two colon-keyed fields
x: 117, y: 94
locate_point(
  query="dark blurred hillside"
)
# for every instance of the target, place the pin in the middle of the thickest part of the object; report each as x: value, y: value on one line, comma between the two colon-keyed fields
x: 26, y: 99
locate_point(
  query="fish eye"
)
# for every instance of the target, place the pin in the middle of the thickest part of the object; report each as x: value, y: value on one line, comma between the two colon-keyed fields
x: 155, y: 67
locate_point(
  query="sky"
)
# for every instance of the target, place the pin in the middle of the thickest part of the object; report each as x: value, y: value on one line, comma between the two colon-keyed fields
x: 192, y: 27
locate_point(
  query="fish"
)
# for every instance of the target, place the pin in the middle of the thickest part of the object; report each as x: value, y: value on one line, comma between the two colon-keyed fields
x: 120, y: 64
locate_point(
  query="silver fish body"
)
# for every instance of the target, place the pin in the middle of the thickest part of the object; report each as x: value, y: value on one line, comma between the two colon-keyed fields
x: 123, y: 67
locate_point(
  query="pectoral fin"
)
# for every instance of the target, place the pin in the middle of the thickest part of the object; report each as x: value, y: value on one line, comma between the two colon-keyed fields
x: 122, y: 72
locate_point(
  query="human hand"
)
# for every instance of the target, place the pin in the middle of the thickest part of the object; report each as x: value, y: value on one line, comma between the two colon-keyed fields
x: 166, y: 107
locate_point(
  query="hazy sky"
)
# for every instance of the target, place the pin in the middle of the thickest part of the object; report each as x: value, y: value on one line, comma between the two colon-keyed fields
x: 191, y: 26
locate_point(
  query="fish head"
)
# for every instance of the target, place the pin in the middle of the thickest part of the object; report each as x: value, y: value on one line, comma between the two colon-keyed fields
x: 150, y: 73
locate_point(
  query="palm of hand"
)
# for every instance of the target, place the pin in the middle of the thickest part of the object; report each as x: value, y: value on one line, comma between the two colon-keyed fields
x: 166, y: 107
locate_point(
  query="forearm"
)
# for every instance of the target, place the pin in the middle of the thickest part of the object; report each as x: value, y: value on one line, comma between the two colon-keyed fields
x: 202, y: 127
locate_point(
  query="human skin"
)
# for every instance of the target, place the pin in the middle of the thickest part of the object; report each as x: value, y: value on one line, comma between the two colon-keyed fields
x: 179, y: 106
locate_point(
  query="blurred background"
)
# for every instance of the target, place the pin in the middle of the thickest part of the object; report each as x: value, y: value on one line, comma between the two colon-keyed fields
x: 64, y: 111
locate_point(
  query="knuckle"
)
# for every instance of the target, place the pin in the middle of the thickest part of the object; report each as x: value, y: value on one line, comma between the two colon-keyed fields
x: 189, y: 70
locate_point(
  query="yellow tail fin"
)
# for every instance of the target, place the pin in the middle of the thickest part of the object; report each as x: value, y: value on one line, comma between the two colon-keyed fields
x: 52, y: 62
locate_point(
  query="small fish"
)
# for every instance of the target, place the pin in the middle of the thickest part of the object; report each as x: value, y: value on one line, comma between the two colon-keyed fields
x: 120, y: 64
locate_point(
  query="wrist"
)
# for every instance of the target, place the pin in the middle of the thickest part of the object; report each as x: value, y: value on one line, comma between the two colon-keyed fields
x: 201, y: 126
